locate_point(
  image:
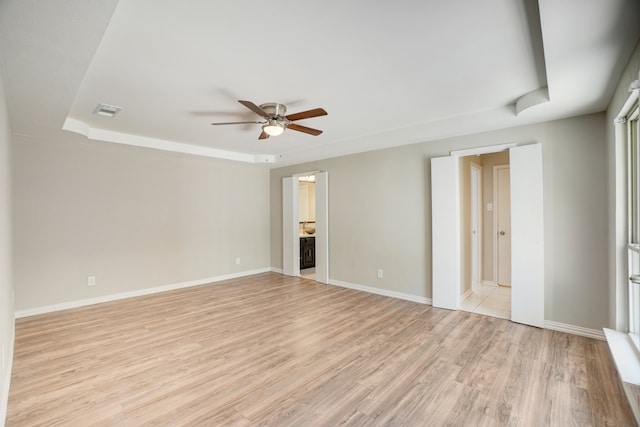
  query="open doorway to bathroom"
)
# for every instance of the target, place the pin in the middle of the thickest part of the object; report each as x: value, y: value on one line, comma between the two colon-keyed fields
x: 291, y: 225
x: 486, y: 235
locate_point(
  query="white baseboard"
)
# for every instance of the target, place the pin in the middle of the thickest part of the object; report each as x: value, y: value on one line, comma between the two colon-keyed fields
x: 467, y: 293
x: 136, y: 293
x: 489, y: 283
x: 7, y: 379
x: 575, y: 330
x: 384, y: 292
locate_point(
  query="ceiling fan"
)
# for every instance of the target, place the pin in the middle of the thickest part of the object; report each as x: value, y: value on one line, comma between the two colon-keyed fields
x: 276, y: 121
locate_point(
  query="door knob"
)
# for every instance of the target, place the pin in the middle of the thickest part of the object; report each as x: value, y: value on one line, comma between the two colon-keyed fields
x: 502, y: 233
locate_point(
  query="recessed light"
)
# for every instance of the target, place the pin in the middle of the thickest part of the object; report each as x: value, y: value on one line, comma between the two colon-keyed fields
x: 106, y: 110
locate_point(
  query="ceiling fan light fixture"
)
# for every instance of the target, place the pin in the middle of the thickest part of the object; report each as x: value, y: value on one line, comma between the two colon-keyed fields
x: 273, y: 128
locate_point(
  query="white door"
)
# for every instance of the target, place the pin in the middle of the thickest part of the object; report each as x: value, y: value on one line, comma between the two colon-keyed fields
x: 290, y: 228
x: 527, y: 231
x: 476, y: 224
x: 502, y: 211
x: 445, y: 232
x: 322, y: 227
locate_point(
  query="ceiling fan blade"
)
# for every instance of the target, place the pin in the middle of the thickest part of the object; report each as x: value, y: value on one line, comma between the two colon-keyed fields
x: 310, y: 131
x: 263, y: 135
x: 253, y: 107
x: 316, y: 112
x: 235, y: 123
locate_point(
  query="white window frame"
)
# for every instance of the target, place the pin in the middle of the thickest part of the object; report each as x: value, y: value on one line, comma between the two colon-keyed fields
x: 623, y: 341
x: 633, y: 221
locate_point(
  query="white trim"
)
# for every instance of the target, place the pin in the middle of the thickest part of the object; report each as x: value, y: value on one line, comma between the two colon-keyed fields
x: 575, y: 330
x: 489, y: 283
x: 619, y: 256
x: 7, y: 380
x: 384, y: 292
x: 97, y: 134
x: 466, y: 294
x: 298, y: 175
x: 483, y: 150
x: 131, y: 294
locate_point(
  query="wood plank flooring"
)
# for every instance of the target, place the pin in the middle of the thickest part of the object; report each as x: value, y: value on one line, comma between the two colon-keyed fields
x: 274, y: 350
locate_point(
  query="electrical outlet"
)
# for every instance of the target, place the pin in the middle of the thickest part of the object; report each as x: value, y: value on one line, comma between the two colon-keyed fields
x: 91, y: 281
x: 380, y: 273
x: 237, y: 260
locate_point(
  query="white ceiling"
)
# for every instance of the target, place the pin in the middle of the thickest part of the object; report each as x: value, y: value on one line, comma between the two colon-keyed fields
x: 388, y: 73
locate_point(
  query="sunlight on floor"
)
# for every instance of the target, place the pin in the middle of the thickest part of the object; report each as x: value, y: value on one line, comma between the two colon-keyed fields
x: 489, y: 300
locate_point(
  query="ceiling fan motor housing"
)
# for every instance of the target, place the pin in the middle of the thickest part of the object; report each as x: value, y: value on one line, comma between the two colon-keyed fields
x: 274, y: 109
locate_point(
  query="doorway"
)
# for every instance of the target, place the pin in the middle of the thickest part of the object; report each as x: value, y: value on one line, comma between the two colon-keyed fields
x: 527, y: 231
x: 480, y: 290
x: 291, y: 225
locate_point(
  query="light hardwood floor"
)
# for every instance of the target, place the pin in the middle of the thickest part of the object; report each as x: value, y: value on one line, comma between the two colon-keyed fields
x: 275, y: 350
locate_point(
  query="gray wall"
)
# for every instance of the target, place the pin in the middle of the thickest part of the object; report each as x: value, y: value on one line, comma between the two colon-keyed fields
x: 135, y: 218
x: 6, y: 287
x: 379, y: 215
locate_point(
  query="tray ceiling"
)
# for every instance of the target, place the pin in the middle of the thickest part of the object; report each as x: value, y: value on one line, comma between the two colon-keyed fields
x: 388, y: 73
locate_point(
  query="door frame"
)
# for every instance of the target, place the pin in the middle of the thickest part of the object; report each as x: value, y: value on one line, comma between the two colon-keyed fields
x: 291, y: 221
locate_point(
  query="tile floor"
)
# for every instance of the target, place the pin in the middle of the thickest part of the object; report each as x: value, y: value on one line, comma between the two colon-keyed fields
x: 308, y: 273
x: 489, y: 300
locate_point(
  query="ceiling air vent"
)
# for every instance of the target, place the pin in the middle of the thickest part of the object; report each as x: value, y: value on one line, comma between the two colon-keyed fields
x: 106, y: 110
